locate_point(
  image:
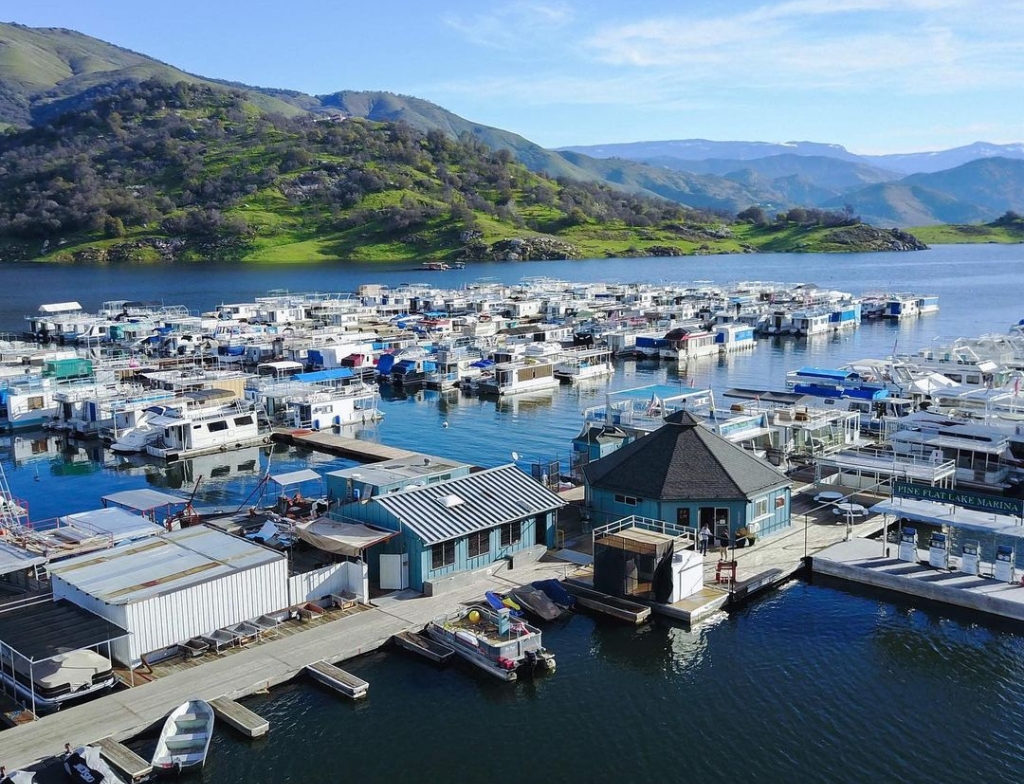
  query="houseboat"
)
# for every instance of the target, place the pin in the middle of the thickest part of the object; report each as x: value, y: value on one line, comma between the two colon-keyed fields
x: 492, y: 640
x: 514, y: 375
x: 899, y: 306
x: 326, y: 407
x: 734, y: 336
x: 581, y: 364
x: 195, y: 431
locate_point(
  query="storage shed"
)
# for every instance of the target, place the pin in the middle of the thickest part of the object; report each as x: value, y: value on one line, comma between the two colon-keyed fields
x: 169, y: 588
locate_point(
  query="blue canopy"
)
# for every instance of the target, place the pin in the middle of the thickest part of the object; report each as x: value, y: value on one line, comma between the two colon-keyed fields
x: 319, y: 376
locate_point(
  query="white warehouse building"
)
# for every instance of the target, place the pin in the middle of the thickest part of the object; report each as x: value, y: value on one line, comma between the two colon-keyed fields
x: 169, y: 588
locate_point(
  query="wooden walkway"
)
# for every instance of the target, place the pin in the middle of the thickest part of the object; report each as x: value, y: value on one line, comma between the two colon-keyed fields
x: 240, y: 718
x: 124, y: 759
x: 354, y: 448
x: 124, y: 714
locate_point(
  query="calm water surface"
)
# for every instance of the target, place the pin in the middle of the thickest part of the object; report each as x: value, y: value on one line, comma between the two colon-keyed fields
x: 812, y: 683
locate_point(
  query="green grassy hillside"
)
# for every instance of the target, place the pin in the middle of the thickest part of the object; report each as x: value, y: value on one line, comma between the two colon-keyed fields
x: 189, y: 171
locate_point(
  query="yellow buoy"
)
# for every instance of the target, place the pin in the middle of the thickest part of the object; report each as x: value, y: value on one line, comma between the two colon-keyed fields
x: 474, y: 616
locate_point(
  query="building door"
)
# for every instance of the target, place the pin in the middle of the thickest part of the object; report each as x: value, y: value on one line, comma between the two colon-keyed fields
x: 394, y: 572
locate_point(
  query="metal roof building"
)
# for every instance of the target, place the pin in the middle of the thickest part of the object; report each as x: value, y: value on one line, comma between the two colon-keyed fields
x: 476, y: 502
x: 169, y: 588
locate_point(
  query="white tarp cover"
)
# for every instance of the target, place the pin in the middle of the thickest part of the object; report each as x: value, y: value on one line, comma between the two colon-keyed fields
x: 344, y: 538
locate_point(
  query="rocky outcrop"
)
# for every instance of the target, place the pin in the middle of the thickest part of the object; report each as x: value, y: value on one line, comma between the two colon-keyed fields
x: 522, y: 249
x: 868, y: 238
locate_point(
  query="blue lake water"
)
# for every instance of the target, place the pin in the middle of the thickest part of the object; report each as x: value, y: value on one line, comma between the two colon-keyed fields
x: 813, y: 682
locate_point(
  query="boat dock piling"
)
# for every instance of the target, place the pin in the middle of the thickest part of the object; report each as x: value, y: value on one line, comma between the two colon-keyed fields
x: 124, y: 759
x: 354, y: 448
x: 250, y: 724
x: 337, y: 679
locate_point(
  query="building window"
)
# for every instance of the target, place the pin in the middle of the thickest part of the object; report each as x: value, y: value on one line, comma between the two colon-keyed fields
x: 511, y: 533
x: 35, y: 403
x: 683, y: 517
x: 760, y: 507
x: 780, y: 501
x: 479, y: 543
x: 628, y: 500
x: 442, y: 555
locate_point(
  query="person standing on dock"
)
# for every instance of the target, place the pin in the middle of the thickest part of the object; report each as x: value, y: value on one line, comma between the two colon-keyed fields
x: 703, y: 536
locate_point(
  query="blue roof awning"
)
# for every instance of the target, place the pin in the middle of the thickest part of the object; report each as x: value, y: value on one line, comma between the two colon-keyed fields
x: 319, y: 376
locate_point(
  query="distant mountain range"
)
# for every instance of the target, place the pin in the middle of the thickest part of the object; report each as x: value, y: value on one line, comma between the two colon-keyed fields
x: 47, y: 71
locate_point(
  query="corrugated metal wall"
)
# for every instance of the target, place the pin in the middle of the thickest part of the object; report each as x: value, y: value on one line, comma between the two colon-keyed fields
x: 175, y: 617
x: 334, y: 578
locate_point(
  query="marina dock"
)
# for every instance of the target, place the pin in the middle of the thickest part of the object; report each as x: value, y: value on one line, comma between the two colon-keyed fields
x: 866, y: 562
x: 124, y: 759
x: 124, y: 714
x: 342, y: 446
x: 338, y: 680
x: 240, y: 718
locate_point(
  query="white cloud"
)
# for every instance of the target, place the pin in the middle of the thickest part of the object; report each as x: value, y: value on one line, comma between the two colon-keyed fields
x: 512, y: 26
x: 913, y: 45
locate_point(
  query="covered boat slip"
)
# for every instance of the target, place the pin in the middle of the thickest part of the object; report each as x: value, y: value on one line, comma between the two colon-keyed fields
x: 149, y: 503
x: 34, y: 638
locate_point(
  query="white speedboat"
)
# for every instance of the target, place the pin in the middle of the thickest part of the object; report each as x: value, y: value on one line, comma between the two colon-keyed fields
x: 185, y: 739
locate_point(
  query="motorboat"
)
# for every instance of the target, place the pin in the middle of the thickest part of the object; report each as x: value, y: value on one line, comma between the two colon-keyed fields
x: 185, y: 738
x: 68, y: 676
x: 492, y: 640
x: 85, y: 765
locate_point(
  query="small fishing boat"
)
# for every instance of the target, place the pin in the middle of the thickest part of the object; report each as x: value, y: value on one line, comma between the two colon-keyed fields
x: 185, y: 738
x: 421, y: 645
x: 84, y: 765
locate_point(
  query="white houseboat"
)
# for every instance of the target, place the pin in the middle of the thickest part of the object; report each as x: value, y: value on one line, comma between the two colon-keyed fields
x: 581, y: 364
x: 195, y: 431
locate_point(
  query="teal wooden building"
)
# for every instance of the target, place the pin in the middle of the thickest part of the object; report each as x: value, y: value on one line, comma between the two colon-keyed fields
x: 458, y: 524
x: 685, y: 474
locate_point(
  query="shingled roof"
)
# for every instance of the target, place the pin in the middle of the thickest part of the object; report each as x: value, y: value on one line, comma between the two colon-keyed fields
x: 683, y: 461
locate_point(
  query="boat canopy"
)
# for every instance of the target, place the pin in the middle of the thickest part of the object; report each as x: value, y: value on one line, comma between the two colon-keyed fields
x: 830, y: 373
x: 295, y: 477
x: 45, y: 630
x: 350, y: 539
x: 143, y: 500
x: 319, y: 376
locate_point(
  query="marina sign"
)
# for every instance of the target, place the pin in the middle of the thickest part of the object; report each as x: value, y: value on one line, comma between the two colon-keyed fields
x: 980, y: 501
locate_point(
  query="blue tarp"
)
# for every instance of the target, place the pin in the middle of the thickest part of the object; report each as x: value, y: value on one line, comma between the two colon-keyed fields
x: 319, y: 376
x: 829, y: 373
x: 385, y: 363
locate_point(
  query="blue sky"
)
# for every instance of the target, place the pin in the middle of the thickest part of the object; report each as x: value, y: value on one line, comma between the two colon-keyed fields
x: 874, y: 75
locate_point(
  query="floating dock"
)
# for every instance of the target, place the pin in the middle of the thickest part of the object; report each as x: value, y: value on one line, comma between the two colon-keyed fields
x: 250, y: 724
x: 124, y: 759
x: 865, y: 561
x: 338, y: 680
x: 420, y: 644
x: 354, y: 448
x: 623, y: 609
